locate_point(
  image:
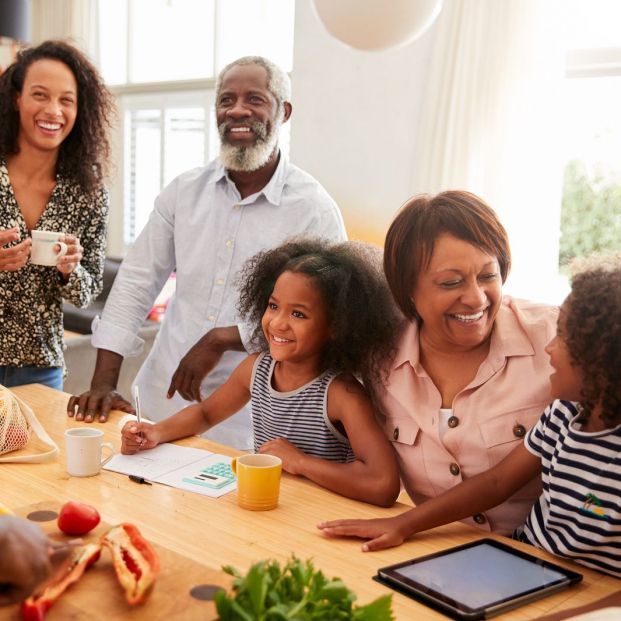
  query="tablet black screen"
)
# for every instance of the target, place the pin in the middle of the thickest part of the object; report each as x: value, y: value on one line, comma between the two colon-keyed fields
x: 480, y: 576
x: 477, y: 580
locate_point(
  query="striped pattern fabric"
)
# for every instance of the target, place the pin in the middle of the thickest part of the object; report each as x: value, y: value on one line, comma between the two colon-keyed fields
x: 578, y: 515
x: 299, y: 416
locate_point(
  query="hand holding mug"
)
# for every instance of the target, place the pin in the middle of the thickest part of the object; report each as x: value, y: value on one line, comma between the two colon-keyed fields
x: 47, y: 247
x: 14, y: 257
x: 71, y: 259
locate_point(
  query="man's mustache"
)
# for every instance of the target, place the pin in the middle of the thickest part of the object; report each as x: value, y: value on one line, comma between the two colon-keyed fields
x: 259, y: 128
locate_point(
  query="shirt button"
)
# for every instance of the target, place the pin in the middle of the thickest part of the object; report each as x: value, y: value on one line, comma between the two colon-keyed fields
x: 395, y: 433
x: 519, y: 431
x: 479, y: 518
x: 455, y: 469
x: 228, y: 243
x: 220, y: 281
x: 236, y: 206
x: 453, y: 421
x: 211, y: 317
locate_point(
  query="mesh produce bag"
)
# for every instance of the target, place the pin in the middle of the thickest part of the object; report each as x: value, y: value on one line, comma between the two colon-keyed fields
x: 17, y: 424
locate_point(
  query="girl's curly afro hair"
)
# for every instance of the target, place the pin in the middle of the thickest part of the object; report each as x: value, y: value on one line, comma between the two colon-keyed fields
x: 363, y: 317
x: 592, y: 333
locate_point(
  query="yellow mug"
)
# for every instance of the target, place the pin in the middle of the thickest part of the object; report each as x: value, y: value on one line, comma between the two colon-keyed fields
x: 258, y: 481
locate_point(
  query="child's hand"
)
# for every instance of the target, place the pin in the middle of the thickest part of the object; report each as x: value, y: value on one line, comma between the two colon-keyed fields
x: 383, y: 532
x: 291, y: 456
x: 138, y: 437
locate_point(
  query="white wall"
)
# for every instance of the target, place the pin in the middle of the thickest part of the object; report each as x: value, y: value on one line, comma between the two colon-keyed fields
x: 355, y: 120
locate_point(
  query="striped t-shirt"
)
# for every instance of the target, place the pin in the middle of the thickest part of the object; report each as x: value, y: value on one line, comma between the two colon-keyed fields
x: 578, y: 515
x: 299, y: 416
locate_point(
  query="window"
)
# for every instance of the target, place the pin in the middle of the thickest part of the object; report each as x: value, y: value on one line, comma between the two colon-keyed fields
x: 591, y: 208
x: 161, y: 58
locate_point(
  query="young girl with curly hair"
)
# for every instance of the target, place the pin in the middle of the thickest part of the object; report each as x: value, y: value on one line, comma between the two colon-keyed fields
x: 575, y: 446
x: 54, y: 151
x: 322, y: 315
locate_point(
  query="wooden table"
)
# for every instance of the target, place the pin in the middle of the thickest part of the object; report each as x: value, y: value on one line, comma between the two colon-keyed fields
x: 68, y: 335
x: 214, y: 532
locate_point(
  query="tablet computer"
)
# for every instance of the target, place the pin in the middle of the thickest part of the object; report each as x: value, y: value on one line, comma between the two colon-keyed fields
x: 477, y: 580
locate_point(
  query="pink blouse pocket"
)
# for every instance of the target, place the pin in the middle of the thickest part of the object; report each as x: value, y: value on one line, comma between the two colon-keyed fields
x: 502, y: 433
x: 401, y: 430
x: 510, y: 426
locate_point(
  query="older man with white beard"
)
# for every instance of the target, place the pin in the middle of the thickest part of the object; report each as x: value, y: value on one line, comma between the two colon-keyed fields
x: 205, y: 224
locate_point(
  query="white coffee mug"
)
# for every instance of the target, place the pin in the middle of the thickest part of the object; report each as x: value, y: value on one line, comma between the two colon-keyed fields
x: 83, y: 448
x: 43, y: 251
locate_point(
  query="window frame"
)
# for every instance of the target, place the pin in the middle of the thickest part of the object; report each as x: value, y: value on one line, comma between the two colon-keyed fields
x: 153, y: 95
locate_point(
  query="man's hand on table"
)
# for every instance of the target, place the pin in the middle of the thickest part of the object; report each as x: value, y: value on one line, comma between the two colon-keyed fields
x: 96, y: 403
x: 26, y: 559
x: 201, y: 360
x: 103, y: 396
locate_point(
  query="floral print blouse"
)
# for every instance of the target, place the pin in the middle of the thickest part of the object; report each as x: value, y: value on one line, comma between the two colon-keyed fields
x: 31, y: 327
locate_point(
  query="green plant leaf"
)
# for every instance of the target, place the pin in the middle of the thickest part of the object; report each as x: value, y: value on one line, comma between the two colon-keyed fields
x: 295, y: 592
x: 378, y: 610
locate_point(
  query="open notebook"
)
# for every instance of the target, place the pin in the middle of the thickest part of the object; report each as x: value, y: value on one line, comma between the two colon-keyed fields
x: 190, y: 469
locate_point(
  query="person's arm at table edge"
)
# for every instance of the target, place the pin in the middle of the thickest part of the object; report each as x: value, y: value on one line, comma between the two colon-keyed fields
x: 373, y: 476
x: 614, y: 599
x: 472, y: 496
x: 196, y: 418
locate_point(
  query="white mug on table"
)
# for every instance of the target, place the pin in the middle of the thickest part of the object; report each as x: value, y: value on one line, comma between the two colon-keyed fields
x: 83, y: 448
x: 44, y: 243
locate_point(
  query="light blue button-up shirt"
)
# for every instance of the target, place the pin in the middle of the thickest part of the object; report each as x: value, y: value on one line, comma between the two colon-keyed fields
x: 201, y: 227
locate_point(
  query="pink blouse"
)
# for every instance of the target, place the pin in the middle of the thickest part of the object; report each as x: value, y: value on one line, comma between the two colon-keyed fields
x: 490, y: 416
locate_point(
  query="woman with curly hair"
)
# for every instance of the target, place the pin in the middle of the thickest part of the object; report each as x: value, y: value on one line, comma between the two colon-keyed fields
x: 575, y: 447
x: 54, y: 152
x: 322, y: 315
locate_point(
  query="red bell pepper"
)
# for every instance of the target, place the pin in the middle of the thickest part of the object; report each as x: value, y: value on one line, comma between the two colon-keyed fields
x: 35, y: 607
x: 135, y: 561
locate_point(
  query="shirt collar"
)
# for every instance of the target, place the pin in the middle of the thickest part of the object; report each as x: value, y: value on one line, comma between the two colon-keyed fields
x: 274, y: 188
x: 508, y: 339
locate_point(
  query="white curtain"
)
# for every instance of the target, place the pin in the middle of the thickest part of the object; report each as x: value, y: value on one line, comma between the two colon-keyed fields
x: 73, y: 20
x: 489, y: 125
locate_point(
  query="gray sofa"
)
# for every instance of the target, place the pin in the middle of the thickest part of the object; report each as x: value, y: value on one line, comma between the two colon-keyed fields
x: 80, y: 319
x: 80, y: 359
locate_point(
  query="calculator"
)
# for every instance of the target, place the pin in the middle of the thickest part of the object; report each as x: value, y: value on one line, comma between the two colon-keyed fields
x: 215, y: 476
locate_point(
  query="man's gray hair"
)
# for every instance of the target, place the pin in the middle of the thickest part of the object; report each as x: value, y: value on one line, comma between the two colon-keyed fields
x: 278, y: 82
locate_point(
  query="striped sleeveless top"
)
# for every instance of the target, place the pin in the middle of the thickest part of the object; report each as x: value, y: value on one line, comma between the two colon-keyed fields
x: 578, y: 515
x: 299, y: 416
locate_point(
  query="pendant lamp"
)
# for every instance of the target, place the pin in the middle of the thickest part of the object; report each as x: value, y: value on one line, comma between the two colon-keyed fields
x: 377, y: 24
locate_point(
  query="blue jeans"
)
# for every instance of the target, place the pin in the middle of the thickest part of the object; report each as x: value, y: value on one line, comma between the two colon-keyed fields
x: 16, y: 376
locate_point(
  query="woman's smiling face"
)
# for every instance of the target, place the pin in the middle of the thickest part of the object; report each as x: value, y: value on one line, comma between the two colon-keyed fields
x: 47, y: 104
x: 458, y: 295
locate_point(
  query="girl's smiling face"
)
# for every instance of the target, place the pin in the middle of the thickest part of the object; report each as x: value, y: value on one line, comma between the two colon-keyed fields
x: 296, y: 322
x: 566, y: 380
x: 458, y: 295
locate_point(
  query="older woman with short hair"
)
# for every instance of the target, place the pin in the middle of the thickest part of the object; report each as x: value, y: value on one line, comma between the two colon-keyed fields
x: 470, y: 374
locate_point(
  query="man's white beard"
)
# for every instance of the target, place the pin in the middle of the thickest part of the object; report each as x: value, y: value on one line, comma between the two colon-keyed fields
x: 249, y: 158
